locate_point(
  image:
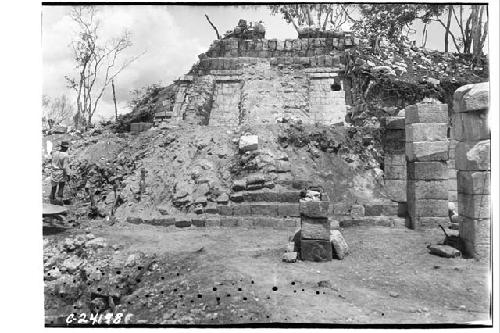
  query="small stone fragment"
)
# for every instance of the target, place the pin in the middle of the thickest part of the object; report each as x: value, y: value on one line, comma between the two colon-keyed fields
x: 444, y: 251
x: 290, y: 257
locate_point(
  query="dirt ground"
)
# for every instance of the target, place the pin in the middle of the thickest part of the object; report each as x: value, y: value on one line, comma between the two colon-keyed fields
x: 236, y: 276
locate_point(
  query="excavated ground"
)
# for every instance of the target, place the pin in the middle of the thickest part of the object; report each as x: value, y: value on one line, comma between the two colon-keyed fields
x: 235, y: 276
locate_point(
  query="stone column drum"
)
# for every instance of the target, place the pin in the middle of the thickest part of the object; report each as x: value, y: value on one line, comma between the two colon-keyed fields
x: 472, y: 161
x: 315, y: 231
x: 426, y: 127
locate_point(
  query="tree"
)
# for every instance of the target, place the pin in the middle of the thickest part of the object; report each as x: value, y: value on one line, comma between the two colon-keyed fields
x: 96, y: 62
x: 319, y: 16
x: 58, y: 110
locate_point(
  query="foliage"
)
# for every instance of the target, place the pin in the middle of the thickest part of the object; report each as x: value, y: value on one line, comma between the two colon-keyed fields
x: 321, y: 16
x: 57, y: 110
x: 96, y: 62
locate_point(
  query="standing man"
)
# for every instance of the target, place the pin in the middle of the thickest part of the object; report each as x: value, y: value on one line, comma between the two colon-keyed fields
x: 60, y: 171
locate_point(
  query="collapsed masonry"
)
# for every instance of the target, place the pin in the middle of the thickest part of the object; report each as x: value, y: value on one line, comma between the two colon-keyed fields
x: 257, y: 81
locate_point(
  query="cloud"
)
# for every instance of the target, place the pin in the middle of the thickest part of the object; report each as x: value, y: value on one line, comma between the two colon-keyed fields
x: 169, y: 51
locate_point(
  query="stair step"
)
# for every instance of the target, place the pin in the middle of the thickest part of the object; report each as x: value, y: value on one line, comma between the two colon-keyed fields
x: 266, y: 195
x: 265, y: 208
x: 385, y: 209
x: 381, y: 221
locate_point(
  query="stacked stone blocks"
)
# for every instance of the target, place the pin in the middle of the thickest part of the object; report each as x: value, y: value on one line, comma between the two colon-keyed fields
x: 426, y: 151
x: 394, y: 159
x: 315, y: 231
x: 472, y: 154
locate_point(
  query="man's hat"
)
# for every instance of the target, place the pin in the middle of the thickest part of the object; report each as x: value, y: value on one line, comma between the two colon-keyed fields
x: 65, y: 144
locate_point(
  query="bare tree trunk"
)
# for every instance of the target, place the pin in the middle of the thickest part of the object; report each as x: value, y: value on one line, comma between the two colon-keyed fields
x: 447, y: 32
x: 114, y: 99
x: 213, y: 26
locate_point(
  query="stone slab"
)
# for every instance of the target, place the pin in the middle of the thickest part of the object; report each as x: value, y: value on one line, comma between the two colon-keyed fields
x: 339, y: 246
x: 473, y: 182
x: 434, y: 170
x: 314, y: 208
x: 423, y: 151
x: 444, y: 251
x: 198, y: 221
x: 225, y: 210
x: 183, y: 222
x: 288, y: 196
x: 395, y: 159
x: 428, y: 207
x: 263, y: 195
x: 229, y: 221
x: 315, y: 228
x: 474, y: 206
x: 289, y: 257
x: 213, y: 222
x: 426, y: 113
x: 315, y: 250
x: 427, y: 189
x: 426, y: 132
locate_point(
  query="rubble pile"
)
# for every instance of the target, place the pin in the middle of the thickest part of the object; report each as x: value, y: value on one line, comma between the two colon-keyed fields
x: 386, y: 81
x: 84, y: 274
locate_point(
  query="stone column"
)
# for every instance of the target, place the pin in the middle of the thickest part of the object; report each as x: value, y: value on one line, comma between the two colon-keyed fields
x: 394, y: 158
x: 426, y: 146
x: 315, y: 231
x: 472, y: 161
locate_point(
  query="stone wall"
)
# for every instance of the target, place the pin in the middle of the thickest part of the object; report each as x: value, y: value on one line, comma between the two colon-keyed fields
x: 426, y: 127
x: 472, y: 161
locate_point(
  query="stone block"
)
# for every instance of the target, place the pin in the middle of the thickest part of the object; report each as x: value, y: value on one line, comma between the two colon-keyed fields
x: 164, y: 221
x: 426, y: 222
x: 394, y: 171
x: 426, y: 113
x: 239, y: 185
x: 444, y: 251
x: 473, y: 182
x: 394, y: 123
x: 428, y: 207
x: 427, y: 170
x: 471, y: 156
x: 476, y: 237
x: 134, y: 220
x: 212, y: 222
x: 315, y: 228
x: 315, y: 250
x: 471, y: 126
x: 229, y: 221
x: 394, y: 135
x: 357, y: 211
x: 339, y: 246
x: 384, y: 209
x: 260, y: 196
x: 452, y: 196
x: 248, y: 143
x: 211, y: 208
x: 254, y: 187
x: 427, y: 151
x: 314, y: 208
x: 474, y: 206
x: 183, y: 222
x: 426, y: 132
x: 391, y: 159
x: 256, y: 178
x: 289, y: 257
x: 266, y: 209
x: 288, y: 209
x: 340, y: 208
x: 427, y: 189
x: 198, y: 221
x: 395, y: 189
x: 237, y: 197
x: 471, y: 97
x: 288, y: 196
x: 225, y: 210
x: 241, y: 209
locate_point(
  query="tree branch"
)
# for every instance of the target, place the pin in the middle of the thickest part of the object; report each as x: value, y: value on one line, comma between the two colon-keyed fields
x: 213, y: 26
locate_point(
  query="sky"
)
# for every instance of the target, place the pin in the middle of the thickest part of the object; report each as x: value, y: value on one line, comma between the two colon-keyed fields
x: 170, y: 36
